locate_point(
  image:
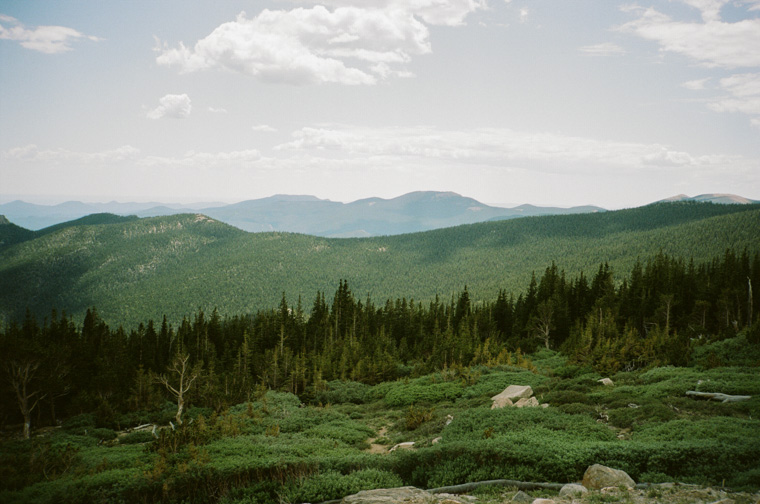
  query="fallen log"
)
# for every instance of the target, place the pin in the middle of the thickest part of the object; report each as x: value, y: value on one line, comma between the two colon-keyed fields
x: 521, y: 485
x: 717, y: 396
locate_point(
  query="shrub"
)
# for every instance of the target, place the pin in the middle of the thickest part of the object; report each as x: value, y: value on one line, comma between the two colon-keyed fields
x: 408, y: 394
x: 79, y: 423
x: 417, y: 415
x: 334, y: 485
x: 339, y: 392
x: 102, y: 434
x: 136, y: 438
x: 627, y: 417
x: 566, y: 397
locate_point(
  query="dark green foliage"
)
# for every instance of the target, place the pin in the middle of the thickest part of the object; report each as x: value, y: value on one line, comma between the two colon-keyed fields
x: 334, y: 485
x: 102, y: 434
x: 79, y: 423
x: 417, y: 415
x: 338, y: 392
x: 402, y: 394
x: 140, y: 437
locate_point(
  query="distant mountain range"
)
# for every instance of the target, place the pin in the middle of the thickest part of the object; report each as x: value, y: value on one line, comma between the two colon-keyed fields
x: 413, y: 212
x: 724, y: 199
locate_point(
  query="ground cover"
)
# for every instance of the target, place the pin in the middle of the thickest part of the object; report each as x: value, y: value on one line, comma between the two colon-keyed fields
x: 278, y: 448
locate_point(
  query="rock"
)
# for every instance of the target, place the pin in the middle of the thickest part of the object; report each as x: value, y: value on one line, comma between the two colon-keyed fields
x: 500, y: 402
x: 436, y: 440
x: 403, y: 495
x: 521, y: 496
x: 572, y: 489
x: 545, y: 405
x: 408, y: 445
x: 531, y: 402
x: 543, y: 501
x: 606, y: 382
x: 515, y: 392
x: 598, y: 476
x: 724, y: 501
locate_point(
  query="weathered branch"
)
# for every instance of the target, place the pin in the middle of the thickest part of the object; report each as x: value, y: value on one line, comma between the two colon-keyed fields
x: 717, y: 396
x: 522, y: 485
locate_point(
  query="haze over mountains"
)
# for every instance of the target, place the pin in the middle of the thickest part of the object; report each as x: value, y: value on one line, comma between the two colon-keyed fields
x: 412, y: 212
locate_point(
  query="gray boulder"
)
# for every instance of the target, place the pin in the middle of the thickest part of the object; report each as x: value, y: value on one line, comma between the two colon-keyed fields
x: 530, y: 402
x: 598, y: 476
x: 572, y: 489
x: 510, y: 394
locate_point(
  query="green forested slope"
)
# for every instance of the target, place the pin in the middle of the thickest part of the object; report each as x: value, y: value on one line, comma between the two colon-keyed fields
x: 145, y: 268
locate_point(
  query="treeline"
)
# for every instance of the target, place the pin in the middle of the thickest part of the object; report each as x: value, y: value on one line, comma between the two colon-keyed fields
x: 654, y: 315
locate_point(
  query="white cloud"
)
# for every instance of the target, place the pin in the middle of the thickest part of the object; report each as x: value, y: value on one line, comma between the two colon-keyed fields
x: 202, y: 160
x: 308, y: 46
x: 603, y: 49
x: 433, y: 12
x: 713, y: 43
x: 264, y: 128
x: 496, y: 147
x: 45, y: 39
x: 710, y: 8
x: 696, y: 85
x: 743, y: 95
x: 172, y: 106
x: 33, y: 153
x: 217, y: 110
x: 524, y: 13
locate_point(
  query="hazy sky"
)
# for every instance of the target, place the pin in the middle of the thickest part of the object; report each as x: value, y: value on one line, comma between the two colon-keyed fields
x: 563, y: 102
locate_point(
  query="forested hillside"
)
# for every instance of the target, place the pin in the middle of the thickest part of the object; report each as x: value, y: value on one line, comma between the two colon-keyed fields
x: 133, y: 270
x: 240, y: 426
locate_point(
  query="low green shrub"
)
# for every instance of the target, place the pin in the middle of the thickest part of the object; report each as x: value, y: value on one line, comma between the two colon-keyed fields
x: 345, y: 430
x: 578, y: 409
x: 628, y: 417
x: 102, y: 434
x: 417, y: 415
x: 407, y: 394
x: 334, y: 485
x: 340, y: 392
x: 79, y: 423
x: 136, y: 438
x: 558, y: 397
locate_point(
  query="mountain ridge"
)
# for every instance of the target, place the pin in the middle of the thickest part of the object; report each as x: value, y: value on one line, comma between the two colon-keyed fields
x: 134, y: 269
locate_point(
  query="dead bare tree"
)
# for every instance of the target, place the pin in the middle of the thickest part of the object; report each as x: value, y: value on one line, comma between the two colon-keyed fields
x: 21, y: 374
x: 542, y: 321
x: 184, y: 377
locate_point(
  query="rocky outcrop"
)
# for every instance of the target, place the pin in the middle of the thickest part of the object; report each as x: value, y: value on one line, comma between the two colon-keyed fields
x: 606, y: 382
x: 598, y: 476
x: 530, y: 402
x: 518, y: 396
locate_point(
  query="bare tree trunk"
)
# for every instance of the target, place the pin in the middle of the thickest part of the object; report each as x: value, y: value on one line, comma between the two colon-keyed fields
x: 21, y: 374
x: 749, y: 302
x: 182, y: 371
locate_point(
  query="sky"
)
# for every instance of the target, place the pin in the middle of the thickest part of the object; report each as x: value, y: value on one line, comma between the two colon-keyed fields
x: 550, y: 102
